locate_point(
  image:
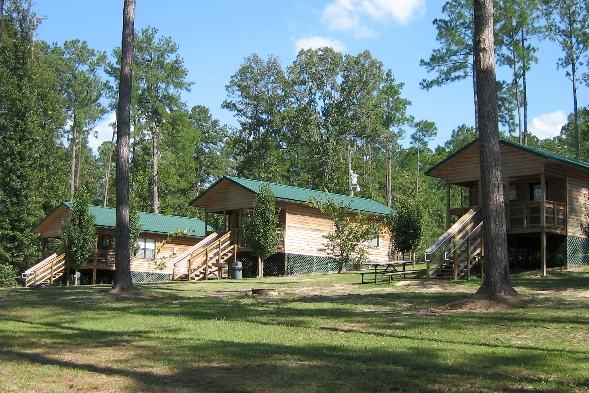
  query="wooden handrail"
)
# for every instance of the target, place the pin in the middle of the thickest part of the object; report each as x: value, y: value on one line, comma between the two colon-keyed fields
x: 201, y: 259
x: 48, y: 269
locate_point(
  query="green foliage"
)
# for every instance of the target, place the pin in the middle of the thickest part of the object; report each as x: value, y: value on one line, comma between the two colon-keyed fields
x: 454, y: 59
x: 406, y: 225
x: 31, y: 169
x: 260, y: 232
x: 352, y: 233
x: 161, y: 262
x: 78, y: 68
x: 78, y: 233
x: 134, y: 231
x: 7, y: 274
x: 567, y: 24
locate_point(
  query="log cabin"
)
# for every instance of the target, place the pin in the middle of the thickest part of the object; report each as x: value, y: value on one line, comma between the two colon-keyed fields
x: 546, y: 200
x: 302, y: 247
x: 152, y: 246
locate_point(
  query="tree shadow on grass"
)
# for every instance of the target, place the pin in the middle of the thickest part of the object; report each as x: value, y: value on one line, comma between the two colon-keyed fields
x: 222, y: 366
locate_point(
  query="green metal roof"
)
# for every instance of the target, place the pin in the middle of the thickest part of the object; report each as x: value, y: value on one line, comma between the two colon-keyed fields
x: 528, y: 149
x: 105, y: 217
x: 301, y: 195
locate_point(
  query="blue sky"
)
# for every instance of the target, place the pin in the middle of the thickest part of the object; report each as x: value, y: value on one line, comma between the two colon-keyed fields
x: 214, y: 37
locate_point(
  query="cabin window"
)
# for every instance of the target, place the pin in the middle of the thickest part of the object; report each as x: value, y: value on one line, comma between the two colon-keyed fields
x: 375, y: 242
x: 536, y: 191
x: 105, y: 244
x: 145, y: 248
x: 512, y: 193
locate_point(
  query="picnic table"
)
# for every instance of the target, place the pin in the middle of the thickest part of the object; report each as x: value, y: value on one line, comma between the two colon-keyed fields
x: 387, y: 269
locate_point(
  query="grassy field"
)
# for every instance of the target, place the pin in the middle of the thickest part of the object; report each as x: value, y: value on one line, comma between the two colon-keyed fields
x: 321, y: 333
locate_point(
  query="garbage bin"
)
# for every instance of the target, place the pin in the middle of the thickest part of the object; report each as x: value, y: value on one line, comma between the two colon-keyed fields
x: 237, y: 270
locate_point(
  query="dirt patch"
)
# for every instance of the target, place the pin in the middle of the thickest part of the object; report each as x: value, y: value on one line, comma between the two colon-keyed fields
x: 480, y: 303
x: 426, y: 286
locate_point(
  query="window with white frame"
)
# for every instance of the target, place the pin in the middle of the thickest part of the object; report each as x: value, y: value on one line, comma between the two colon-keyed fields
x: 145, y: 248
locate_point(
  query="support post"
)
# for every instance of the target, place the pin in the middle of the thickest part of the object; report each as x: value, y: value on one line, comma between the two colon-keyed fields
x: 448, y: 217
x: 469, y: 258
x: 455, y: 260
x: 206, y: 263
x: 543, y: 251
x: 51, y: 273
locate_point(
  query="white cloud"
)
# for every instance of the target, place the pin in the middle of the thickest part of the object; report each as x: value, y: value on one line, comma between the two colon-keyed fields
x: 548, y: 125
x: 351, y: 15
x: 103, y: 132
x: 316, y: 42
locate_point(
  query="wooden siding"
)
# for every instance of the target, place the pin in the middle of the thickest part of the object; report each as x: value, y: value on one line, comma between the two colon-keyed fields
x: 228, y: 196
x: 306, y: 226
x: 52, y: 228
x: 381, y: 253
x: 183, y: 243
x: 578, y: 202
x: 466, y: 168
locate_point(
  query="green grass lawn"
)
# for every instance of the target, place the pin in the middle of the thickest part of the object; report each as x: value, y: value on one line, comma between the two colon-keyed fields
x: 323, y: 333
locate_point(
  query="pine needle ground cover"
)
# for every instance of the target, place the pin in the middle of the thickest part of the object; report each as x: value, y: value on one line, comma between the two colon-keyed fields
x: 320, y: 333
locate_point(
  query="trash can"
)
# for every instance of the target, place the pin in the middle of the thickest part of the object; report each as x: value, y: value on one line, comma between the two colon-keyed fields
x: 237, y: 270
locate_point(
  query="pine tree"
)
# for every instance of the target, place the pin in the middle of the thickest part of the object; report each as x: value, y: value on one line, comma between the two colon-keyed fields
x: 262, y: 223
x: 496, y: 281
x: 78, y: 233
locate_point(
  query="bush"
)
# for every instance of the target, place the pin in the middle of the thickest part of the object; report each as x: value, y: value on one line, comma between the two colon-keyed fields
x: 7, y: 274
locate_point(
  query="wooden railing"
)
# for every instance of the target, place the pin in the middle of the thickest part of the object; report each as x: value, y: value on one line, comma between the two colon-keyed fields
x: 47, y: 270
x: 467, y: 253
x: 199, y: 263
x: 439, y: 256
x: 102, y: 258
x: 529, y: 214
x: 238, y: 237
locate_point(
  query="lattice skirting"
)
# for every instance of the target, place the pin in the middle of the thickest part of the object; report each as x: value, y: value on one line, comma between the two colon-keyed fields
x: 578, y: 252
x: 561, y: 251
x: 288, y: 265
x: 307, y: 264
x: 150, y: 277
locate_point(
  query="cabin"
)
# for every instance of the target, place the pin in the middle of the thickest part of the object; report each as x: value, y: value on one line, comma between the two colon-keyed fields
x: 302, y: 247
x: 153, y: 260
x: 546, y: 200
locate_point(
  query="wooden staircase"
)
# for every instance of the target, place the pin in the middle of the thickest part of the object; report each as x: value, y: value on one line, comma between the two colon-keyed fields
x: 459, y: 250
x: 206, y: 259
x: 45, y: 272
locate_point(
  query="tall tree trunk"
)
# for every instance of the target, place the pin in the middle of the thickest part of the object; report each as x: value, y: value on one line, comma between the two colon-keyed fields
x: 389, y: 174
x: 1, y: 19
x: 79, y: 160
x: 525, y: 97
x: 73, y: 162
x: 123, y: 281
x: 476, y: 99
x: 108, y: 168
x: 575, y: 111
x: 155, y: 205
x: 517, y: 99
x: 496, y: 282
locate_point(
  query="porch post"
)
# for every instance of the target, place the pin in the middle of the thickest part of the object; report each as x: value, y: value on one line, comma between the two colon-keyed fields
x: 448, y: 218
x: 543, y: 200
x: 566, y: 222
x: 206, y: 222
x: 543, y: 223
x: 543, y: 251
